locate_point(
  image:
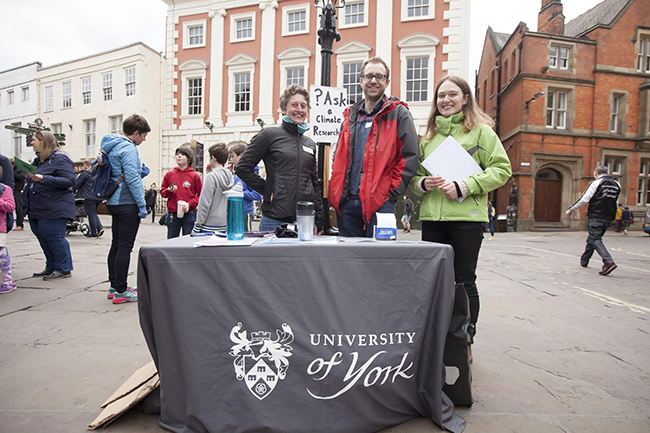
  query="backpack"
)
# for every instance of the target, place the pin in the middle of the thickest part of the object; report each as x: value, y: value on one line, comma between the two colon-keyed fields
x: 10, y: 215
x: 103, y: 187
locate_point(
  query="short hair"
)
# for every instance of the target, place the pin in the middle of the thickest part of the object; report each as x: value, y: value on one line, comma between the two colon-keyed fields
x: 187, y: 151
x: 376, y: 59
x: 601, y: 169
x: 135, y: 123
x: 294, y: 89
x: 237, y: 147
x: 87, y: 162
x: 220, y: 152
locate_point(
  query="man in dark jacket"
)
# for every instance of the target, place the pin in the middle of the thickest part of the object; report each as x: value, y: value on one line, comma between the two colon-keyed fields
x: 602, y: 195
x: 150, y: 199
x: 83, y: 189
x: 19, y: 181
x: 376, y: 156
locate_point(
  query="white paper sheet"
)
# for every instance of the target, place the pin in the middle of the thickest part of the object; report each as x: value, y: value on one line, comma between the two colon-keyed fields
x: 451, y: 161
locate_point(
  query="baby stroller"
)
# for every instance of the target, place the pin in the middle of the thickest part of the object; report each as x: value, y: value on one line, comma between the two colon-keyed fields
x: 78, y: 223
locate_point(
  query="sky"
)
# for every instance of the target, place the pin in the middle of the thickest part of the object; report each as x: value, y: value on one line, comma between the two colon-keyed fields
x: 79, y: 28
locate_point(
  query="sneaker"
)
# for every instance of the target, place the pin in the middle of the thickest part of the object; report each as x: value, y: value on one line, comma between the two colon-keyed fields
x: 100, y: 233
x: 408, y: 231
x: 7, y: 287
x: 19, y: 228
x: 608, y: 268
x: 625, y: 232
x: 584, y: 265
x: 111, y: 292
x: 130, y: 295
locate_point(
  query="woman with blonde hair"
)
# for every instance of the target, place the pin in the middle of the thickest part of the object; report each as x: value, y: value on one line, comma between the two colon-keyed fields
x: 49, y: 203
x: 453, y: 211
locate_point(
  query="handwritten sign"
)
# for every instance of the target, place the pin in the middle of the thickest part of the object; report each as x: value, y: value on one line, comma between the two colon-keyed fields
x: 326, y: 115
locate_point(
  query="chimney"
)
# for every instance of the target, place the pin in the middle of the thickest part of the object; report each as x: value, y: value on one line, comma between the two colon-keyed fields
x: 551, y: 19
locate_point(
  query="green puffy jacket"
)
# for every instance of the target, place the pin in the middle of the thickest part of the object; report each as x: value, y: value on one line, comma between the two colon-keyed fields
x: 486, y: 149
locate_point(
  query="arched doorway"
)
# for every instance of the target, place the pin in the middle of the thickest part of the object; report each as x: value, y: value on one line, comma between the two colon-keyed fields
x: 548, y: 196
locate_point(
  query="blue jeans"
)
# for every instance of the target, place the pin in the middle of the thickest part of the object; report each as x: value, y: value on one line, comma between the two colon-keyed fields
x: 491, y: 226
x: 269, y: 224
x: 51, y: 236
x: 596, y: 229
x: 175, y: 224
x: 124, y: 226
x: 90, y: 206
x: 351, y: 222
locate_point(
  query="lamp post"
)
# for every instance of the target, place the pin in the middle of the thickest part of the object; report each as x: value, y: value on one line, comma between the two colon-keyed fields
x: 533, y: 99
x: 327, y: 34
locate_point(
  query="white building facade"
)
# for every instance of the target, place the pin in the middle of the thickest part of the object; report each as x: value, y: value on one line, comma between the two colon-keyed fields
x: 18, y: 107
x: 90, y: 97
x: 228, y: 61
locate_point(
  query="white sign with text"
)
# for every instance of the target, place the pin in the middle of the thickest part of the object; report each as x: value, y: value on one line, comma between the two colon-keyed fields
x: 326, y: 115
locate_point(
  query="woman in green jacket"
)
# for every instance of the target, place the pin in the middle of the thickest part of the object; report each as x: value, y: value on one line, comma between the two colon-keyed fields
x: 444, y: 218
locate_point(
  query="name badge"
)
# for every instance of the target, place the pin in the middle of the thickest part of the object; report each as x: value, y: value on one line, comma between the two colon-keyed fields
x: 368, y: 124
x: 308, y: 150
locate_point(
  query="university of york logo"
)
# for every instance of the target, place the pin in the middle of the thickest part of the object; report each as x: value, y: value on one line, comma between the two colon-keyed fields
x: 260, y: 361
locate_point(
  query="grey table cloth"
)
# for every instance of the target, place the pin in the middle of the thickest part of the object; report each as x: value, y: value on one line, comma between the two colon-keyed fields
x: 345, y: 337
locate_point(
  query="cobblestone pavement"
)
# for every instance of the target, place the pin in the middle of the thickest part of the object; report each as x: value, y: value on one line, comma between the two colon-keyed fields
x: 559, y: 348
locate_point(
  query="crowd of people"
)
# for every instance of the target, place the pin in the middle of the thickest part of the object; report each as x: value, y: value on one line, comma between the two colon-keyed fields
x: 379, y: 155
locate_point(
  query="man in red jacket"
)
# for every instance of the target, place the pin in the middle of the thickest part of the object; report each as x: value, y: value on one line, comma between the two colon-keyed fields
x: 376, y: 156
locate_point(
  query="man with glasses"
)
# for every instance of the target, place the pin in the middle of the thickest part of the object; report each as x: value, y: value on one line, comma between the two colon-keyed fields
x: 376, y: 156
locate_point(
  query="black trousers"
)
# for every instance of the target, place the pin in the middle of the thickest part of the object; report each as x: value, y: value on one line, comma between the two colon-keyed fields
x: 125, y: 225
x: 19, y: 208
x: 465, y: 238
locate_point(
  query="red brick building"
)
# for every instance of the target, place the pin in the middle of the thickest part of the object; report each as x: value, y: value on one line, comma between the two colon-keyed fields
x: 567, y: 98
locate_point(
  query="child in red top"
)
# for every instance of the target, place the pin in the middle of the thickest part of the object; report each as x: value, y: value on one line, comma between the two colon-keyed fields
x: 181, y: 184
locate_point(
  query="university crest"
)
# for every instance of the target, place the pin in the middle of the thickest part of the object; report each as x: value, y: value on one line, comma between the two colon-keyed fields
x: 260, y: 361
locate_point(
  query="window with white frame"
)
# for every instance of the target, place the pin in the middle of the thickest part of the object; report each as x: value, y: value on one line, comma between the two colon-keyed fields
x: 107, y: 86
x: 49, y: 98
x: 616, y: 120
x: 559, y: 57
x: 295, y: 19
x: 615, y: 166
x: 643, y: 54
x: 417, y: 79
x: 89, y: 137
x: 417, y: 9
x: 24, y: 91
x: 355, y: 14
x: 295, y: 75
x: 242, y: 91
x: 17, y: 140
x: 193, y: 90
x: 556, y: 109
x: 194, y: 34
x: 129, y: 81
x: 241, y: 98
x: 10, y: 97
x: 294, y: 66
x: 66, y: 94
x: 194, y: 96
x: 351, y: 75
x: 417, y: 60
x: 85, y: 90
x: 643, y: 192
x: 57, y: 128
x: 115, y: 125
x: 242, y: 27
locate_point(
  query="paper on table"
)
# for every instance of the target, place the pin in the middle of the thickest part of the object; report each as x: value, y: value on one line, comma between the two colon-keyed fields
x: 216, y: 241
x: 24, y: 166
